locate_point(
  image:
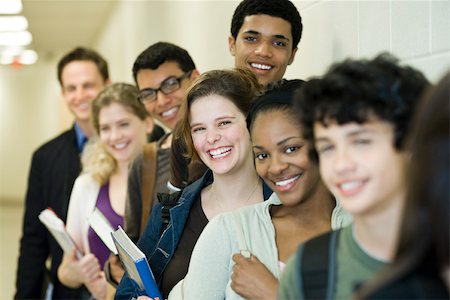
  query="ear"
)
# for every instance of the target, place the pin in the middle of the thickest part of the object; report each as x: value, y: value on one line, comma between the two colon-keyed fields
x: 232, y: 45
x: 195, y: 74
x: 291, y: 59
x: 149, y: 125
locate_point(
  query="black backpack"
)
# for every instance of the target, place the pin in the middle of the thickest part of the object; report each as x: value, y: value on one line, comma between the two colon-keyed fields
x: 317, y: 266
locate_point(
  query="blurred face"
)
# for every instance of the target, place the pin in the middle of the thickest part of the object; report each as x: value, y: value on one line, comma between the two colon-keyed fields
x: 360, y: 165
x: 165, y: 108
x: 220, y: 136
x: 122, y: 133
x: 263, y: 45
x: 281, y: 157
x: 81, y: 83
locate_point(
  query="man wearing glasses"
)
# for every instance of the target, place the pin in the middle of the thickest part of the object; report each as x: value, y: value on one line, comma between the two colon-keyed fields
x: 162, y: 72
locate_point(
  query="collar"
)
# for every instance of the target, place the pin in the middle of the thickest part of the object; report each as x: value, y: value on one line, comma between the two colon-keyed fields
x: 80, y: 137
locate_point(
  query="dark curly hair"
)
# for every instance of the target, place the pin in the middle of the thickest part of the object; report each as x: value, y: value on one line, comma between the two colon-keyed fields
x: 284, y: 9
x: 159, y: 53
x: 354, y: 90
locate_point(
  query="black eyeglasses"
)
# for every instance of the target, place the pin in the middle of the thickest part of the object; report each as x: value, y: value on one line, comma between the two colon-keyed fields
x: 168, y: 86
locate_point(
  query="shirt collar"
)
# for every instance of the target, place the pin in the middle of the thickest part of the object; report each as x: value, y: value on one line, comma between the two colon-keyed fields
x: 80, y: 137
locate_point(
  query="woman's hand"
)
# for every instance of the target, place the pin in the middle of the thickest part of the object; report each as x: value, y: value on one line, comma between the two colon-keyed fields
x: 97, y: 286
x: 251, y: 279
x: 74, y: 272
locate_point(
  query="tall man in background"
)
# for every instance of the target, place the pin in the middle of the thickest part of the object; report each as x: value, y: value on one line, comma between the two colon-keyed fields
x: 82, y: 74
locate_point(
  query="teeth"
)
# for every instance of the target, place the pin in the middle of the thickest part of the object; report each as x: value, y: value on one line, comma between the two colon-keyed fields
x: 83, y: 105
x: 287, y: 181
x: 261, y: 66
x: 120, y: 146
x: 169, y: 112
x: 350, y: 185
x: 221, y: 152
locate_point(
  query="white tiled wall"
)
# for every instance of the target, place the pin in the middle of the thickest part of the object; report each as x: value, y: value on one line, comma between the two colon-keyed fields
x: 417, y: 32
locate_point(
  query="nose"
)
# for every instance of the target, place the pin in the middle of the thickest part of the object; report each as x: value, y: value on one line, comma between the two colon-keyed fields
x: 115, y: 134
x: 212, y: 136
x: 277, y: 165
x: 343, y: 163
x: 79, y: 93
x: 162, y: 99
x: 263, y: 49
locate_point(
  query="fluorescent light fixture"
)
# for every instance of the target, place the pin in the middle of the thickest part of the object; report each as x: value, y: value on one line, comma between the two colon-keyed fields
x: 24, y: 57
x: 13, y: 23
x: 10, y: 6
x: 21, y: 38
x: 28, y: 57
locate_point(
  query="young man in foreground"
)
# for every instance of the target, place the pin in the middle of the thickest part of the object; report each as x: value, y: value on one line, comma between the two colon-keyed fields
x: 356, y: 117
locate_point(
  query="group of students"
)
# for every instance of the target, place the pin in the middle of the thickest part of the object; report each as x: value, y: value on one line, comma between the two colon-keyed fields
x: 240, y: 184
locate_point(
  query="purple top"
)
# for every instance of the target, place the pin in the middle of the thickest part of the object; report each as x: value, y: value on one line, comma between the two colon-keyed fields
x: 97, y: 247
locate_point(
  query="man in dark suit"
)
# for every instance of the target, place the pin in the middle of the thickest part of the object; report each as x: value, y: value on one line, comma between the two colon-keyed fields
x: 82, y: 74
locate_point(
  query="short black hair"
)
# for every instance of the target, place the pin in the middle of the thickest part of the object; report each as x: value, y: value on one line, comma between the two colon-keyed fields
x: 83, y: 54
x: 159, y: 53
x: 284, y: 9
x: 355, y: 90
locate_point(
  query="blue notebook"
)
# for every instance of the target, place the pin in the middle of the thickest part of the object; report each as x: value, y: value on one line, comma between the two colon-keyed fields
x: 135, y: 263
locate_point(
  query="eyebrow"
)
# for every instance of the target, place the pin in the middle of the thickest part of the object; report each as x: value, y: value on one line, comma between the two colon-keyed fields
x: 280, y: 143
x: 349, y: 134
x: 216, y: 120
x: 278, y: 36
x: 160, y: 84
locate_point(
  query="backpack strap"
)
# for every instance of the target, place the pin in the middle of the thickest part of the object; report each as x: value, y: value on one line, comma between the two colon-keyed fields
x: 317, y: 260
x: 168, y: 201
x: 148, y: 179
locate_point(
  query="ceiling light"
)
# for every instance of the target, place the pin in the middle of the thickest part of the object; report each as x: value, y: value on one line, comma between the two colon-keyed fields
x: 21, y: 38
x: 28, y: 57
x: 10, y: 6
x: 24, y: 57
x: 13, y: 23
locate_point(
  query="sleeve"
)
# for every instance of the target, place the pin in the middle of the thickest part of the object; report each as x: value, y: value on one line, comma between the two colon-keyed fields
x: 128, y: 289
x: 209, y: 269
x: 34, y: 242
x: 288, y: 287
x: 133, y: 204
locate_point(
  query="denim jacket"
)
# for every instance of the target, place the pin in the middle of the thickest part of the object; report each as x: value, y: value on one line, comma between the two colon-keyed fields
x: 159, y: 248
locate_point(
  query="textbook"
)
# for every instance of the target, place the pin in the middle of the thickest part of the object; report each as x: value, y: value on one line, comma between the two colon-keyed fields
x: 103, y: 229
x: 135, y: 263
x: 57, y: 228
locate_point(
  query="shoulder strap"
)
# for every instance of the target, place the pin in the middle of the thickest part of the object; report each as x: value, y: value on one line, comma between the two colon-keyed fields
x: 167, y: 202
x: 317, y: 259
x: 148, y: 182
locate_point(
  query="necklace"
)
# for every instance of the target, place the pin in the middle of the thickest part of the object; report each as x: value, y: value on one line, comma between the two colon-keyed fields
x: 219, y: 203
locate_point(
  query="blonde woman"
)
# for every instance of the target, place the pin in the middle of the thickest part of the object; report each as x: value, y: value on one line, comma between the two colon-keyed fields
x: 121, y: 123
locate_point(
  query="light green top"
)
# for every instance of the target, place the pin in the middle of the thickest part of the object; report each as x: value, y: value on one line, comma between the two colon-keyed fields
x: 353, y: 267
